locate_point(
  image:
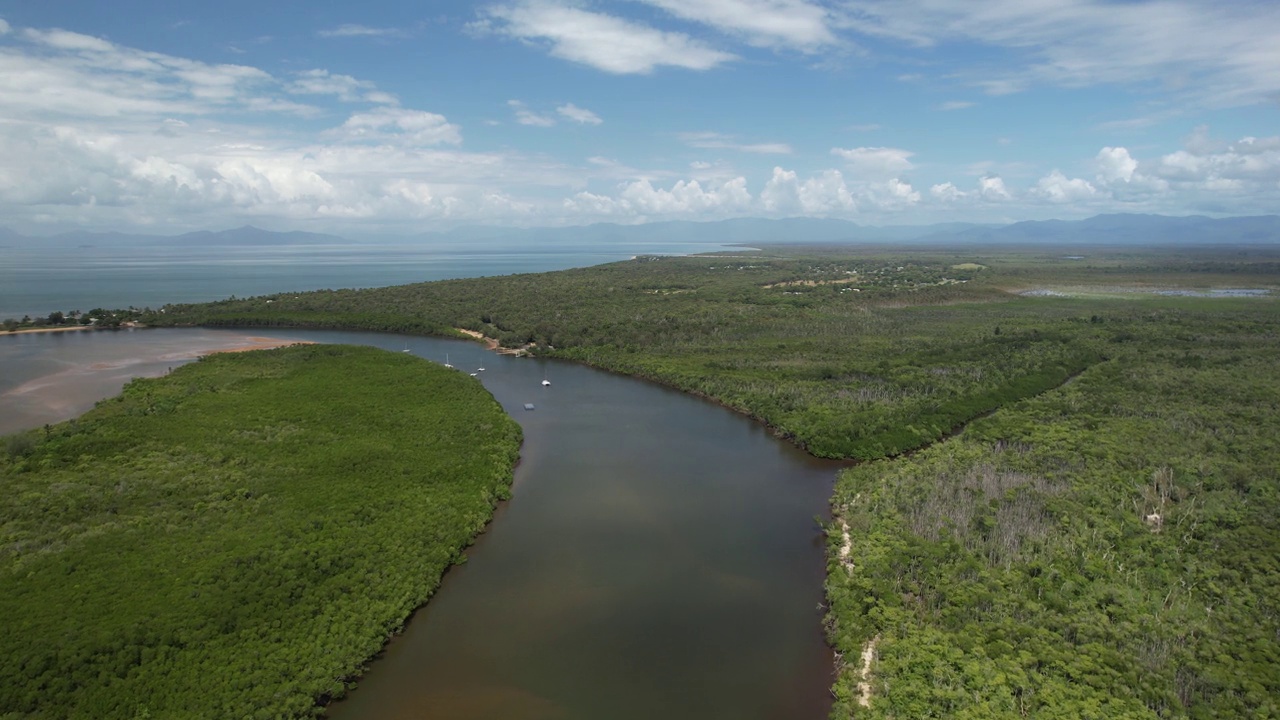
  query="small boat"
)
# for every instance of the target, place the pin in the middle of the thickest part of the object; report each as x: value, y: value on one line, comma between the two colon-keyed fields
x: 528, y: 406
x: 545, y: 381
x: 446, y: 361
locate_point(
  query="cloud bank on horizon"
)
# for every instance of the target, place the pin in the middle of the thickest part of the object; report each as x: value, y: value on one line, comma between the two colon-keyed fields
x: 387, y: 118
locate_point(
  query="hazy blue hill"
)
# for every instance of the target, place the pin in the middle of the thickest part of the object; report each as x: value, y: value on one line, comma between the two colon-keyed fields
x: 1124, y: 229
x: 1113, y: 229
x: 250, y: 235
x: 743, y: 231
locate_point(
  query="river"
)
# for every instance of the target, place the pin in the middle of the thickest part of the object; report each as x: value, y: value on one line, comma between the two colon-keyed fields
x: 659, y: 557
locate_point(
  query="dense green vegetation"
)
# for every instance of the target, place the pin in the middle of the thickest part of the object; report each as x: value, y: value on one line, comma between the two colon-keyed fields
x: 235, y: 539
x: 875, y: 357
x: 1103, y: 544
x: 1108, y: 549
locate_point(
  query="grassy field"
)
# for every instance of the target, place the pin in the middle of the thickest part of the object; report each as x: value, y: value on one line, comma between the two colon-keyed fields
x: 236, y: 539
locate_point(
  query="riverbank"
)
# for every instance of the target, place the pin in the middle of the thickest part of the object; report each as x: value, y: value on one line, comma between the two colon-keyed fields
x: 61, y: 328
x: 260, y: 343
x: 493, y: 344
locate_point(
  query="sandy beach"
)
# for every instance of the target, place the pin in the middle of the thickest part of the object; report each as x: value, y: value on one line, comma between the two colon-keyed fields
x: 60, y: 328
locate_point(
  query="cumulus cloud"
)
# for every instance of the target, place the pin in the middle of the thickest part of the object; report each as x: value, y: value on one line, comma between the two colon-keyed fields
x: 1249, y: 165
x: 1058, y: 188
x: 992, y: 188
x: 717, y: 141
x: 578, y: 115
x: 875, y: 161
x: 892, y: 194
x: 640, y: 199
x: 601, y: 41
x: 525, y: 116
x: 795, y: 24
x: 1115, y: 165
x: 826, y: 193
x: 946, y: 192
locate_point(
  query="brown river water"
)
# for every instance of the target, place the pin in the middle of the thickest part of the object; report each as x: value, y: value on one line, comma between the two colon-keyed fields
x: 659, y: 557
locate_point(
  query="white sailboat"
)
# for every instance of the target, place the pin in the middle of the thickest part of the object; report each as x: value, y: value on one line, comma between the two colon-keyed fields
x: 545, y: 381
x: 446, y: 361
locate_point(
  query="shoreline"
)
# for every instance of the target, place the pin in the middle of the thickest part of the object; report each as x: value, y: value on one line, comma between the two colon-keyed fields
x: 493, y: 344
x: 260, y: 343
x: 63, y: 328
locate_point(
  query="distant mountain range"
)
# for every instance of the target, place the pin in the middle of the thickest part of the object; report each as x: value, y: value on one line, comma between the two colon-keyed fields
x: 1124, y: 230
x: 1099, y: 230
x: 737, y: 231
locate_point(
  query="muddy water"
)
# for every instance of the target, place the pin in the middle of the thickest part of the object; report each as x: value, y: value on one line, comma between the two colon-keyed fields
x: 658, y: 559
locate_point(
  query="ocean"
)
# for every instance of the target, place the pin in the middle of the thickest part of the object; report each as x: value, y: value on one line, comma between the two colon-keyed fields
x: 38, y: 281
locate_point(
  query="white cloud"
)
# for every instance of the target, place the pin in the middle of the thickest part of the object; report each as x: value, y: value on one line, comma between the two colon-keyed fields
x: 525, y: 116
x: 351, y: 30
x: 69, y: 75
x: 793, y: 24
x: 717, y: 141
x: 579, y: 115
x: 641, y: 200
x: 892, y: 194
x: 688, y: 197
x: 1227, y: 49
x: 825, y: 194
x: 4, y: 27
x: 992, y: 188
x: 412, y: 127
x: 956, y: 105
x: 344, y: 87
x: 602, y: 41
x: 866, y: 127
x: 876, y: 161
x: 946, y: 192
x: 1058, y: 188
x: 1249, y: 164
x: 1115, y: 164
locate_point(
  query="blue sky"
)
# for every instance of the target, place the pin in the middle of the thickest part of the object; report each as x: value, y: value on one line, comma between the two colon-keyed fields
x: 392, y: 117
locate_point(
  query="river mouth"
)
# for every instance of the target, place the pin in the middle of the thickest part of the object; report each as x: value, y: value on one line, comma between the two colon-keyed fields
x: 659, y: 556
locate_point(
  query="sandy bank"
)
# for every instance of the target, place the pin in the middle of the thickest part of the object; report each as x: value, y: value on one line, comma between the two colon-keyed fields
x: 492, y: 343
x: 60, y: 328
x: 260, y: 343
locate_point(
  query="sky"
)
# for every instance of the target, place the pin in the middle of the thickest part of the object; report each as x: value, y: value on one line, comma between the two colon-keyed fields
x: 391, y: 116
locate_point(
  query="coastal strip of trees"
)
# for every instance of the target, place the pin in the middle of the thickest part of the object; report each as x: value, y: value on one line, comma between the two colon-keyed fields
x: 237, y: 538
